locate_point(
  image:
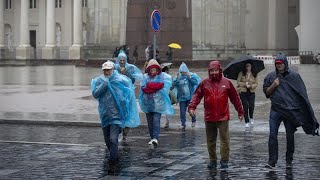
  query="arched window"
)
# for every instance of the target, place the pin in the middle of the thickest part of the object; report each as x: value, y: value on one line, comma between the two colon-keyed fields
x: 33, y: 4
x: 58, y: 4
x: 8, y: 35
x: 58, y: 34
x: 84, y: 3
x: 8, y: 4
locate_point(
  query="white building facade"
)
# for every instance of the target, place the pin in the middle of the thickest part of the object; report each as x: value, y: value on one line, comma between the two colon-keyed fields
x: 84, y: 29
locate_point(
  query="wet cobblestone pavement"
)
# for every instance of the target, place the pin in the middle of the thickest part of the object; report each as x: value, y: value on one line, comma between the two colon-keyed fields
x: 71, y: 152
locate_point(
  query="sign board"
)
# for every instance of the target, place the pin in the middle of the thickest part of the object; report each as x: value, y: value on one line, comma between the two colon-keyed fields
x: 155, y: 20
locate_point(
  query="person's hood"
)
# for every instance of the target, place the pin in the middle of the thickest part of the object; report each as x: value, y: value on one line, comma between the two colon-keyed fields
x: 153, y: 64
x: 183, y: 68
x: 215, y: 65
x: 281, y: 57
x: 121, y: 54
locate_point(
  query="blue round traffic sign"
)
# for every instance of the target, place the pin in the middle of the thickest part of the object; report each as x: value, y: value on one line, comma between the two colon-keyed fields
x: 155, y: 20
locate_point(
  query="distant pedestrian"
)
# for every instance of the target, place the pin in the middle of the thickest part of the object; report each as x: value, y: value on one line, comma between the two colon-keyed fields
x: 135, y: 54
x: 290, y: 104
x: 247, y: 84
x: 185, y: 84
x: 117, y: 106
x: 216, y: 90
x: 132, y: 72
x: 172, y: 96
x: 169, y: 55
x: 154, y: 98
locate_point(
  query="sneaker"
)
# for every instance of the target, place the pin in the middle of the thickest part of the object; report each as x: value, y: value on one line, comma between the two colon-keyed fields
x: 183, y: 127
x: 166, y: 125
x: 155, y: 142
x: 270, y: 165
x: 120, y: 137
x: 193, y: 124
x: 247, y: 125
x: 150, y: 142
x: 251, y: 121
x: 212, y: 165
x: 224, y: 164
x: 289, y: 164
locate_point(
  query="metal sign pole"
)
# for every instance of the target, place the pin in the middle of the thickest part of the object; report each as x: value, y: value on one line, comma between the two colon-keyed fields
x: 154, y: 46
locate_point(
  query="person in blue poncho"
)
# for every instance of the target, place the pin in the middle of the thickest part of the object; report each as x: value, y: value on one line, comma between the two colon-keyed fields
x: 185, y: 83
x: 154, y: 98
x: 290, y: 104
x: 131, y: 71
x: 117, y: 106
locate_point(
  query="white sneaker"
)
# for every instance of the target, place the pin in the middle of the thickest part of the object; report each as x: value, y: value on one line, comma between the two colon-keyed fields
x: 120, y: 137
x: 247, y: 125
x: 150, y: 142
x: 155, y: 142
x: 193, y: 124
x: 251, y: 121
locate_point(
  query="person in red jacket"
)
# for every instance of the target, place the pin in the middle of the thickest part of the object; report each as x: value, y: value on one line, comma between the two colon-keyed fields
x: 216, y: 90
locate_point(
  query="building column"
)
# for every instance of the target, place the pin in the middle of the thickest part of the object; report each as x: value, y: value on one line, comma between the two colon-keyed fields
x: 75, y: 49
x: 24, y: 49
x: 1, y: 23
x: 48, y: 52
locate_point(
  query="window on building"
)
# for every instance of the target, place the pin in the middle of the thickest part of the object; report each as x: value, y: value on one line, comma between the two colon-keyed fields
x: 84, y: 3
x: 33, y: 4
x: 58, y: 3
x: 8, y: 4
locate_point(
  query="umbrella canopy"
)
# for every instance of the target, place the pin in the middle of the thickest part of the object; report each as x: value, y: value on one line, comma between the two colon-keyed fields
x: 236, y: 66
x: 175, y: 46
x: 165, y: 65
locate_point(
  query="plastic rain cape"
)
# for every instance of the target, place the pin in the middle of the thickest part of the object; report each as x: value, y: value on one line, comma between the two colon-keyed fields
x: 185, y: 86
x: 159, y: 101
x: 117, y: 102
x: 131, y: 70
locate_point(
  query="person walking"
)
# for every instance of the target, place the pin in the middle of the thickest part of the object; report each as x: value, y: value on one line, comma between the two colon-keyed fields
x: 216, y: 90
x: 117, y: 106
x: 290, y: 105
x: 132, y: 72
x: 154, y: 98
x: 247, y: 83
x: 185, y: 84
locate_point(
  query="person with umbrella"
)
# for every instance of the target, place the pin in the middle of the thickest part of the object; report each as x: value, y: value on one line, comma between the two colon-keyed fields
x: 290, y: 104
x: 247, y: 83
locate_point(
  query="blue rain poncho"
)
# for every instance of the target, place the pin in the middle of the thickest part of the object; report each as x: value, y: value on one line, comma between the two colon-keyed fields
x: 117, y: 102
x: 184, y: 87
x: 131, y: 70
x: 159, y: 101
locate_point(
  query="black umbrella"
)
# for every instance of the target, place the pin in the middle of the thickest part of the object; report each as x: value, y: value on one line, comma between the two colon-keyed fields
x: 236, y: 66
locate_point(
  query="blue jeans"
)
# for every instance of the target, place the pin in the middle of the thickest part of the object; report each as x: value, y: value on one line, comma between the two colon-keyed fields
x: 153, y: 119
x: 111, y: 133
x: 274, y: 123
x: 183, y: 111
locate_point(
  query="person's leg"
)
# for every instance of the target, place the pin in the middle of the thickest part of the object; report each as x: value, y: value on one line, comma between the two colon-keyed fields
x: 252, y: 98
x: 106, y: 135
x: 211, y: 133
x: 274, y: 123
x: 150, y: 123
x: 223, y: 127
x: 244, y: 101
x: 114, y: 133
x: 125, y: 132
x: 183, y: 108
x: 290, y: 130
x: 156, y: 125
x: 193, y: 118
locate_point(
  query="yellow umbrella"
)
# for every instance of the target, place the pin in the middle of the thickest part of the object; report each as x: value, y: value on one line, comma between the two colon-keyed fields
x: 175, y: 45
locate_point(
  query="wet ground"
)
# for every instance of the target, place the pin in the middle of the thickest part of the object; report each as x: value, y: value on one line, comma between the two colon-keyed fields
x: 50, y: 130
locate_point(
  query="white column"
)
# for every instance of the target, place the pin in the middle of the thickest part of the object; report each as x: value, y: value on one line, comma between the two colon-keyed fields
x: 1, y: 24
x: 77, y: 23
x: 24, y: 24
x: 50, y: 24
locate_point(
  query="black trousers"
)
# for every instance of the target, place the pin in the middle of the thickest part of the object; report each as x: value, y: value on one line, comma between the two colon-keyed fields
x: 247, y: 99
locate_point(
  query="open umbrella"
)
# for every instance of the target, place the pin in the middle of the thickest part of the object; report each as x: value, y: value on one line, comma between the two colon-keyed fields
x: 175, y: 46
x: 236, y: 66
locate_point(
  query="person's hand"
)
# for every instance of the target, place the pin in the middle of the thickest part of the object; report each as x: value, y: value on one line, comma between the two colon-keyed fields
x: 192, y: 113
x: 123, y: 70
x: 276, y: 82
x: 189, y: 75
x: 240, y: 117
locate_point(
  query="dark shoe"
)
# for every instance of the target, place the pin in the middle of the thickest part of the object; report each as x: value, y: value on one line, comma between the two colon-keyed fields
x: 212, y: 165
x: 270, y: 165
x: 289, y: 164
x: 224, y: 164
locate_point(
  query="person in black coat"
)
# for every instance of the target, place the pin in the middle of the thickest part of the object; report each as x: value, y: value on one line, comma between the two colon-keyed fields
x: 290, y: 104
